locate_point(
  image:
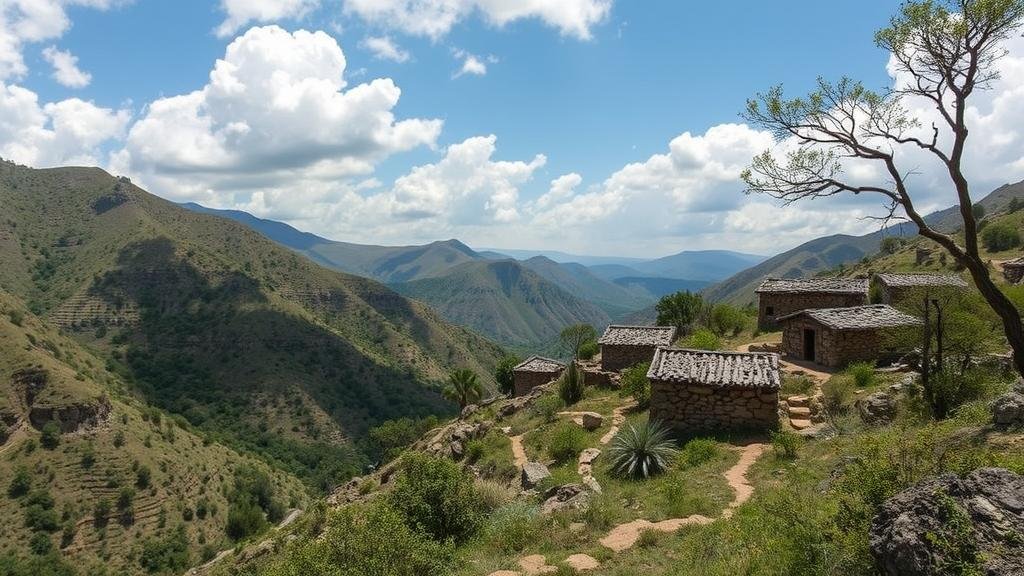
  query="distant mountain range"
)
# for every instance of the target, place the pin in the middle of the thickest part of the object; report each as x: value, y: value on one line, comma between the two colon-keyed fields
x: 520, y: 298
x: 828, y: 252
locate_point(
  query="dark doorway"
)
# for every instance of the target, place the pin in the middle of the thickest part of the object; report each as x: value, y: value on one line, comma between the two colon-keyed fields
x: 808, y: 344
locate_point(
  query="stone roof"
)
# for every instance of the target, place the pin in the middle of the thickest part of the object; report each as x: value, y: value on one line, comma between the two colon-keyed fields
x: 829, y: 285
x: 870, y: 317
x: 1015, y: 263
x: 921, y: 280
x: 638, y: 336
x: 540, y: 364
x: 721, y: 369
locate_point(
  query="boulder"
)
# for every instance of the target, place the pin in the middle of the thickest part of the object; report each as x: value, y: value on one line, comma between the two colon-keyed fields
x: 592, y: 420
x: 566, y: 497
x: 533, y: 474
x: 877, y: 408
x: 990, y: 503
x: 469, y: 411
x: 1008, y: 409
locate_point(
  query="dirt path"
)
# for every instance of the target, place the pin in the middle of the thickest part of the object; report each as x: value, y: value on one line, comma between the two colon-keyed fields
x: 518, y: 452
x: 618, y: 419
x: 13, y: 439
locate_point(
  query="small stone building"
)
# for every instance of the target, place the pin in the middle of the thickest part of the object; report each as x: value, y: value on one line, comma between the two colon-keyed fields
x: 696, y: 390
x: 1013, y: 270
x: 778, y: 297
x: 838, y: 336
x: 535, y: 371
x: 895, y: 287
x: 624, y: 346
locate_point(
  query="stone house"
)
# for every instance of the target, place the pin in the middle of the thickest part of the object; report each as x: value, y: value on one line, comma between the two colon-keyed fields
x: 778, y: 297
x: 838, y: 336
x: 895, y: 287
x: 696, y: 390
x: 535, y: 371
x: 624, y: 346
x: 1013, y: 270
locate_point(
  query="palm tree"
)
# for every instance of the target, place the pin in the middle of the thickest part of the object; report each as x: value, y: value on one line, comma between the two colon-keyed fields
x: 463, y: 387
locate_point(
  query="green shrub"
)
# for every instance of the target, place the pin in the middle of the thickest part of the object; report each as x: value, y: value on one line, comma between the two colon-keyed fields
x: 50, y: 437
x: 21, y: 483
x: 1000, y: 236
x: 40, y: 544
x: 504, y: 375
x: 493, y: 494
x: 796, y: 384
x: 437, y: 497
x: 863, y: 374
x: 166, y: 555
x: 948, y: 390
x: 635, y: 383
x: 474, y: 450
x: 17, y: 317
x: 703, y: 339
x: 786, y: 443
x: 245, y: 519
x: 101, y: 512
x: 513, y: 527
x: 570, y: 385
x: 88, y: 456
x: 727, y: 320
x: 589, y: 349
x: 891, y: 244
x: 697, y: 452
x: 547, y: 407
x: 567, y: 441
x: 640, y: 451
x: 836, y: 395
x: 143, y: 476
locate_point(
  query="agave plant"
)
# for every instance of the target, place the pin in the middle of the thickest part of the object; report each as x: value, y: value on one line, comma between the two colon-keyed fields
x: 640, y: 451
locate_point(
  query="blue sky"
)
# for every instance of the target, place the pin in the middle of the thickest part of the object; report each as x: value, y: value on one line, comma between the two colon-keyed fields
x: 589, y: 96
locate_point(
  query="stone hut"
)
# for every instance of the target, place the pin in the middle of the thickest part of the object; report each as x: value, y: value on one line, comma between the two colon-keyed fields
x: 838, y: 336
x: 778, y: 297
x: 535, y: 371
x: 1013, y: 270
x: 894, y: 287
x: 696, y: 390
x: 624, y: 346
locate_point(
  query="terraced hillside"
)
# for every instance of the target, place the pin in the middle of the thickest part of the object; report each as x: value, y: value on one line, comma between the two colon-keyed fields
x: 250, y: 342
x: 72, y: 436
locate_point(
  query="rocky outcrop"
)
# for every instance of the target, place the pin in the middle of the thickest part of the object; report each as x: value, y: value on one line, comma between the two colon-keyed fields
x: 451, y: 441
x: 533, y: 474
x: 1008, y: 410
x: 566, y: 497
x: 591, y: 420
x: 877, y: 408
x: 922, y: 530
x: 71, y: 417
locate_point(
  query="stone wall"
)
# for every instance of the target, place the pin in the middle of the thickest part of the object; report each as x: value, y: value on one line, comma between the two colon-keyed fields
x: 523, y: 382
x: 1013, y: 274
x: 834, y: 348
x: 694, y: 408
x: 620, y: 357
x: 783, y: 304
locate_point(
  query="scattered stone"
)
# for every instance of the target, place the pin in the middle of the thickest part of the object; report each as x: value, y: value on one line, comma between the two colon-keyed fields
x: 818, y: 431
x: 533, y: 474
x: 800, y: 412
x: 582, y: 562
x: 798, y: 400
x: 469, y: 411
x: 592, y: 420
x: 902, y: 534
x: 591, y: 483
x: 535, y: 565
x: 456, y: 449
x: 1008, y: 409
x: 799, y: 424
x: 877, y: 408
x: 569, y: 496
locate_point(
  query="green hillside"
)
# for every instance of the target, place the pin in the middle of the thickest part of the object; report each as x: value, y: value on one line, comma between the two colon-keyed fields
x: 206, y: 318
x: 506, y: 302
x: 73, y: 435
x: 579, y: 281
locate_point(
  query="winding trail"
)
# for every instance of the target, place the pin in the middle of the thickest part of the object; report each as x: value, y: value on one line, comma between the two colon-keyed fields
x: 518, y: 452
x: 618, y: 419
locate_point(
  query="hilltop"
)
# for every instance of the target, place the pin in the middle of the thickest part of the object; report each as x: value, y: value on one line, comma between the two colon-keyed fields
x: 250, y: 342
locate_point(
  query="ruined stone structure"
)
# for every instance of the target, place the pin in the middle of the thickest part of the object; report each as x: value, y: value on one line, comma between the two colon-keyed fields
x: 535, y: 371
x: 1013, y: 270
x: 839, y: 336
x: 895, y: 287
x: 778, y: 297
x: 624, y: 346
x: 696, y: 390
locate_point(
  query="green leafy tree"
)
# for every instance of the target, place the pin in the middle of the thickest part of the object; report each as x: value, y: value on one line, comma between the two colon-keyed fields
x: 947, y: 50
x: 575, y: 337
x: 635, y: 383
x: 681, y: 310
x: 463, y: 387
x: 727, y: 320
x: 21, y: 483
x: 437, y: 497
x: 503, y: 373
x: 891, y: 244
x: 50, y: 437
x: 1000, y: 236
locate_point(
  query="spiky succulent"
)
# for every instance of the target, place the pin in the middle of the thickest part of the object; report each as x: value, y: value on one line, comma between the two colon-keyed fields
x: 640, y: 451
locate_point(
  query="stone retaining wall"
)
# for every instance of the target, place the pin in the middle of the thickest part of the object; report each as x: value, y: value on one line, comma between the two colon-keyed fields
x: 523, y: 382
x: 693, y: 408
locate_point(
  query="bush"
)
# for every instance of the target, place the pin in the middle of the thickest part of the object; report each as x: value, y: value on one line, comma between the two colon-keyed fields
x: 589, y: 349
x: 570, y: 385
x: 504, y: 375
x: 513, y: 527
x: 891, y: 244
x: 101, y: 512
x: 50, y: 437
x: 143, y: 476
x: 793, y: 384
x: 640, y: 451
x: 948, y: 390
x: 1000, y: 236
x: 567, y: 441
x: 21, y: 483
x: 634, y: 383
x: 40, y: 544
x: 245, y: 519
x: 435, y: 496
x: 836, y: 395
x: 863, y: 374
x: 88, y: 456
x: 547, y: 407
x: 786, y: 443
x: 727, y: 320
x: 492, y: 494
x: 697, y: 452
x: 168, y: 554
x: 703, y: 339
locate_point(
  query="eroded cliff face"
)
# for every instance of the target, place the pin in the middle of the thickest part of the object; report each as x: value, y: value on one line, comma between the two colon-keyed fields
x: 28, y: 386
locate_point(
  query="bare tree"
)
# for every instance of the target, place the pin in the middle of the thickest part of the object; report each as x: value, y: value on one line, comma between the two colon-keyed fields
x: 948, y: 49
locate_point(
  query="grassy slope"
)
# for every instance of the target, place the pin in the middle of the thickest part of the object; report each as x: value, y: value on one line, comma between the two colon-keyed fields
x: 184, y: 467
x: 579, y: 281
x: 230, y: 325
x: 504, y: 301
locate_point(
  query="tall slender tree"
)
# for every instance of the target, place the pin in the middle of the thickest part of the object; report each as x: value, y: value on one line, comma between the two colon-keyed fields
x: 463, y: 387
x: 944, y: 51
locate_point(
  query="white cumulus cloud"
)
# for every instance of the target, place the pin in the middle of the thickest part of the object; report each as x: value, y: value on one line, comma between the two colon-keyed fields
x: 242, y: 12
x: 384, y: 48
x: 65, y: 68
x: 28, y: 21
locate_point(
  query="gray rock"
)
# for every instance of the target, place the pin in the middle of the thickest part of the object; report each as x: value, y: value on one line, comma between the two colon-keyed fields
x: 469, y: 411
x: 592, y: 420
x: 903, y: 532
x: 533, y: 474
x: 1008, y: 409
x: 568, y: 496
x: 877, y: 408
